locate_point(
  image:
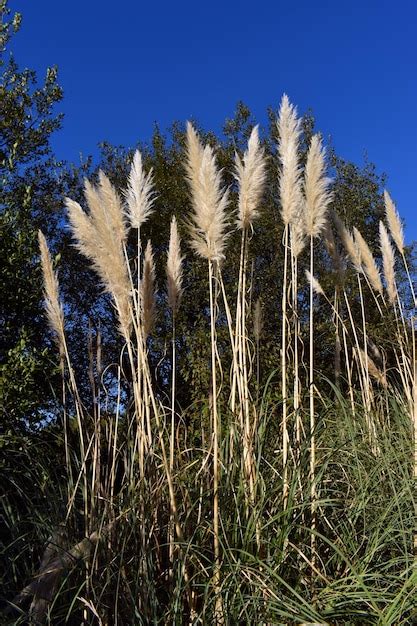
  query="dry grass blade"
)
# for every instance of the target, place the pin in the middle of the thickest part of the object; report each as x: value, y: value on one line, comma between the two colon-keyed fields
x: 317, y: 195
x: 289, y: 130
x: 209, y: 199
x: 394, y: 222
x: 53, y: 306
x: 388, y: 261
x: 368, y: 262
x: 139, y: 193
x: 174, y: 268
x: 250, y: 174
x: 148, y: 291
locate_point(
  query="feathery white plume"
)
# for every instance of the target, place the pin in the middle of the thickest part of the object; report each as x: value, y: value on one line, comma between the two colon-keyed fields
x: 394, y: 222
x: 250, y: 174
x: 349, y: 243
x: 53, y: 305
x: 317, y: 195
x: 314, y: 283
x: 388, y: 261
x: 174, y: 267
x: 140, y: 193
x: 289, y: 130
x: 368, y: 262
x: 100, y: 236
x: 209, y: 199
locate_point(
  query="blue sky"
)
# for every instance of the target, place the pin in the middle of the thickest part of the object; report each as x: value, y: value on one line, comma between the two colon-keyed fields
x: 125, y: 65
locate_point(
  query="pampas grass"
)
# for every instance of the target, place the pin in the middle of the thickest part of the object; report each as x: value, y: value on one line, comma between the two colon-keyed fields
x: 388, y: 261
x: 209, y: 199
x: 196, y: 515
x: 288, y: 126
x: 250, y: 174
x: 396, y: 230
x: 317, y: 199
x: 139, y: 194
x: 53, y: 306
x: 208, y: 238
x: 100, y: 236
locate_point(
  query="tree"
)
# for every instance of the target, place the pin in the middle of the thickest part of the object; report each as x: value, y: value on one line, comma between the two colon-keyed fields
x: 28, y: 192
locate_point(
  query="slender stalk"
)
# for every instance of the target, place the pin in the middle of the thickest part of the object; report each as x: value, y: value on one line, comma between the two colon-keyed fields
x: 216, y: 465
x: 313, y: 495
x: 284, y: 373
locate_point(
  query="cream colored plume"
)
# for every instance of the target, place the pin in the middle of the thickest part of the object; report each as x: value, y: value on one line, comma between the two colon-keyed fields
x: 349, y: 243
x: 209, y: 199
x: 250, y: 174
x: 139, y: 194
x: 148, y: 291
x: 317, y: 288
x: 374, y: 371
x: 388, y: 261
x: 316, y: 189
x: 53, y: 306
x: 174, y: 267
x: 298, y: 239
x: 368, y: 262
x: 100, y: 236
x: 394, y: 222
x: 289, y: 130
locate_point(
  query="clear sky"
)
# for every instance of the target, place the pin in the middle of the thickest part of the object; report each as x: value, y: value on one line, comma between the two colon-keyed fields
x: 124, y: 65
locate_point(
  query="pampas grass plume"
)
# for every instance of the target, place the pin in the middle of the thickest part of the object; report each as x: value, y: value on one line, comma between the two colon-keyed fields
x: 317, y: 288
x: 388, y: 261
x: 368, y: 262
x: 394, y: 222
x: 139, y: 194
x: 289, y: 130
x: 348, y: 242
x: 250, y: 174
x: 174, y: 267
x: 100, y: 236
x: 317, y: 195
x: 209, y: 199
x: 53, y: 306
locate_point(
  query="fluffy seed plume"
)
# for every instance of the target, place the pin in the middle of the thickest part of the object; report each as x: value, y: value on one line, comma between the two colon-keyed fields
x: 388, y: 261
x: 298, y: 240
x: 317, y: 288
x: 250, y: 174
x: 368, y: 262
x: 100, y: 236
x: 257, y: 320
x: 139, y: 193
x: 174, y: 268
x: 317, y: 195
x: 288, y: 126
x: 394, y: 222
x: 209, y: 199
x: 349, y: 243
x: 374, y: 371
x: 53, y: 306
x: 148, y: 291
